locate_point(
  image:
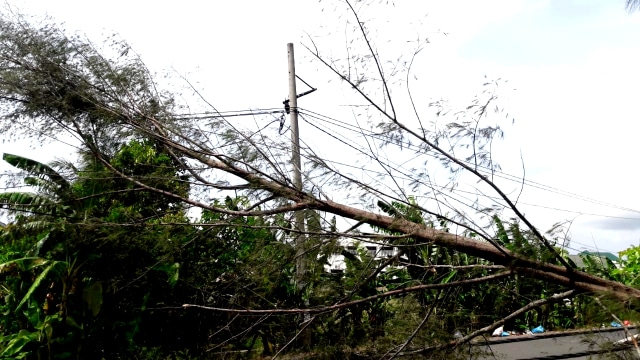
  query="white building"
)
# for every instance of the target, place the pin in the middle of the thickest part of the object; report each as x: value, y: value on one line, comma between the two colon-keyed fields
x: 336, y: 262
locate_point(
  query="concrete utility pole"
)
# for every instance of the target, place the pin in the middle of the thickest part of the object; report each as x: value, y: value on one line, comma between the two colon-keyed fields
x: 300, y: 239
x: 295, y: 134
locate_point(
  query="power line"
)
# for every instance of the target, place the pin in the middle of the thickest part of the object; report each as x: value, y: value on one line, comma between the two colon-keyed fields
x: 543, y: 187
x: 226, y: 114
x: 204, y: 113
x: 458, y: 190
x: 488, y: 196
x: 361, y: 131
x: 499, y: 174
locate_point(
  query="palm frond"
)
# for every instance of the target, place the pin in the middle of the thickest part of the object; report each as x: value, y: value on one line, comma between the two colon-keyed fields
x: 26, y: 201
x: 37, y: 169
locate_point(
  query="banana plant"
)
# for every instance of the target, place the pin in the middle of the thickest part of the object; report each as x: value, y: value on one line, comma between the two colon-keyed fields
x: 50, y: 201
x: 20, y: 342
x: 38, y: 214
x: 43, y: 315
x: 52, y: 196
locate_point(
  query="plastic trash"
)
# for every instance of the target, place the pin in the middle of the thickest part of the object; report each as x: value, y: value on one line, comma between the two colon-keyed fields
x: 627, y: 340
x: 626, y: 323
x: 498, y: 331
x: 505, y: 333
x: 457, y: 335
x: 615, y: 324
x: 538, y: 330
x: 528, y: 332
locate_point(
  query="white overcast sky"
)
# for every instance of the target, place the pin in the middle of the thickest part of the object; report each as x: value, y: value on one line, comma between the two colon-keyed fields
x: 571, y: 65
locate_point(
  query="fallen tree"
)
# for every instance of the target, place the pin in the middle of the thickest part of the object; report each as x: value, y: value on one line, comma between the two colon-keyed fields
x: 53, y: 85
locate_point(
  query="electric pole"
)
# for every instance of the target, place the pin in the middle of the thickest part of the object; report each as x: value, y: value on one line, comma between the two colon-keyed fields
x: 300, y: 238
x: 295, y: 134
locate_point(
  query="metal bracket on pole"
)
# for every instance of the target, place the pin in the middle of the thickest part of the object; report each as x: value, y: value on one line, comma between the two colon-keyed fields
x: 287, y: 107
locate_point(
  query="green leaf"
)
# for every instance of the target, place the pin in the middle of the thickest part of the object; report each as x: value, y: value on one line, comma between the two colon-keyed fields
x: 48, y: 331
x: 33, y: 313
x: 24, y: 264
x: 41, y: 243
x: 70, y: 321
x: 19, y: 198
x: 36, y: 168
x: 174, y: 276
x: 449, y: 277
x: 25, y: 201
x: 39, y: 280
x: 22, y: 338
x: 92, y: 295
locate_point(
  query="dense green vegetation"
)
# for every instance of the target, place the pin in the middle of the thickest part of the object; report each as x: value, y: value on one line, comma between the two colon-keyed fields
x: 94, y: 267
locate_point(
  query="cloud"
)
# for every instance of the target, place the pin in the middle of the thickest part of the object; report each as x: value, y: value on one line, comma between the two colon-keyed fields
x: 628, y: 222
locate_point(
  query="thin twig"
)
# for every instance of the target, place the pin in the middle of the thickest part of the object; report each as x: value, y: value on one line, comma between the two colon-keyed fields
x: 296, y: 336
x: 324, y: 309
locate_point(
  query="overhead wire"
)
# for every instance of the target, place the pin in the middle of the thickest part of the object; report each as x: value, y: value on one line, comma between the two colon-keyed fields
x: 455, y: 209
x: 494, y: 172
x: 226, y: 114
x: 542, y: 186
x: 500, y: 174
x: 488, y: 196
x: 405, y: 175
x: 460, y: 190
x: 361, y: 131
